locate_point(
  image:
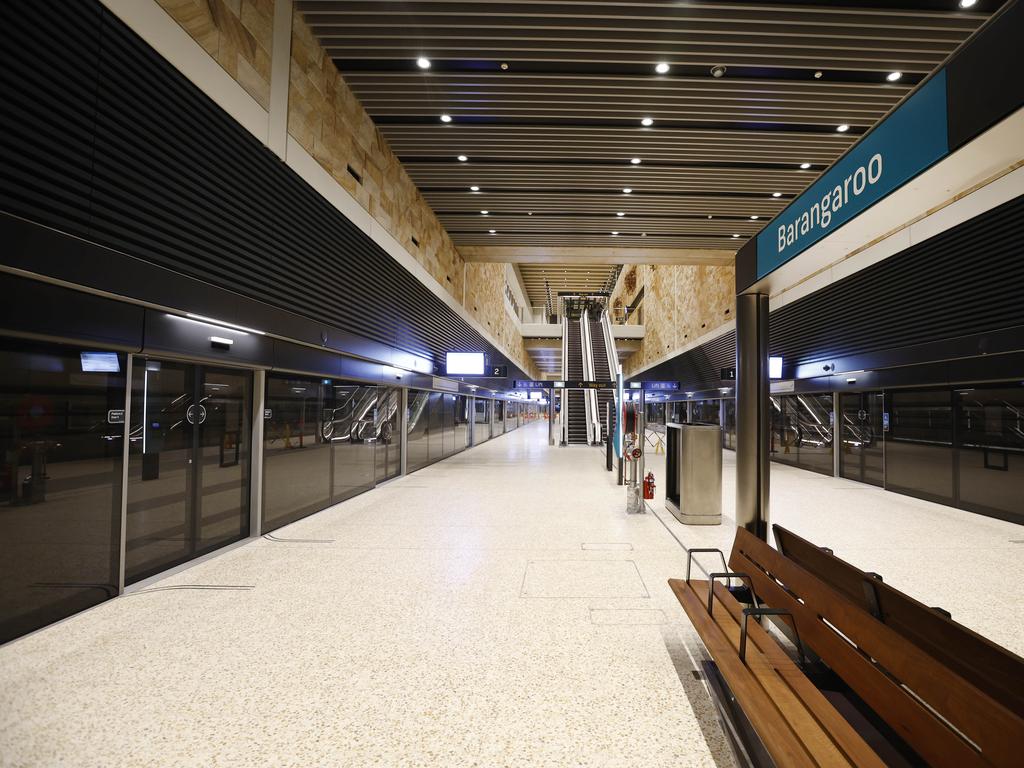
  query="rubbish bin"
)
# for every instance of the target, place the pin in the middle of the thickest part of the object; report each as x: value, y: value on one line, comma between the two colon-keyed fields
x: 693, y: 469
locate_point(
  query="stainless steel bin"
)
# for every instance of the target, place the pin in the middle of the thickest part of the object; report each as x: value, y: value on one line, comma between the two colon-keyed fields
x: 693, y: 468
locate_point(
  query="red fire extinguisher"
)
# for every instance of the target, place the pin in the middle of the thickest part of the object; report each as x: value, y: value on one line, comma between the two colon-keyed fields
x: 649, y: 486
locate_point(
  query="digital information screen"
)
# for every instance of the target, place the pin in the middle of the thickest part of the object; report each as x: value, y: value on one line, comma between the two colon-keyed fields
x: 774, y: 367
x: 100, y: 362
x: 464, y: 363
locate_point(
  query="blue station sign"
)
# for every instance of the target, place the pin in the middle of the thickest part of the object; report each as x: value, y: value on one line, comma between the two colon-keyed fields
x: 907, y: 142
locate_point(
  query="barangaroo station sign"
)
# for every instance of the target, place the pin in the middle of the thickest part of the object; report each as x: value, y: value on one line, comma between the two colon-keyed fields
x: 908, y: 141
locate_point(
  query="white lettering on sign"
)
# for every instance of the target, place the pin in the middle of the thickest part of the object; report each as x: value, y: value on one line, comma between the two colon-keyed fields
x: 820, y: 214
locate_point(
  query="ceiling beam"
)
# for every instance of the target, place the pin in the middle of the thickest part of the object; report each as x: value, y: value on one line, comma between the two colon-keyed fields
x: 568, y: 254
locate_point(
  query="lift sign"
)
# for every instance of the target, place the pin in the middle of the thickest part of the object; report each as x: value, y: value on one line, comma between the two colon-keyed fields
x: 907, y: 142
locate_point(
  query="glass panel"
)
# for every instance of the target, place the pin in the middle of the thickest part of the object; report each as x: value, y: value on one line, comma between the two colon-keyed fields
x: 436, y: 429
x: 990, y: 431
x: 419, y: 415
x: 188, y: 468
x: 499, y: 417
x: 60, y: 481
x: 296, y: 457
x: 222, y: 468
x: 353, y: 439
x: 461, y: 422
x: 919, y: 444
x: 449, y: 424
x: 730, y: 424
x: 862, y: 455
x: 705, y: 412
x: 482, y: 421
x: 802, y: 431
x: 389, y: 433
x: 160, y: 467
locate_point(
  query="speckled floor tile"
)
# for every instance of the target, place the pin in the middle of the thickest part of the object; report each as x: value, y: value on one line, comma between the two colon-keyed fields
x: 403, y: 637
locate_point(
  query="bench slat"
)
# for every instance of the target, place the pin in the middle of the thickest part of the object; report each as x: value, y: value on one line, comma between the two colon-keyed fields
x: 791, y: 734
x: 841, y: 733
x: 989, y: 725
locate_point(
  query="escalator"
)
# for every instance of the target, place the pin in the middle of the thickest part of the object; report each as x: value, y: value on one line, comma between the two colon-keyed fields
x: 602, y: 372
x: 572, y: 369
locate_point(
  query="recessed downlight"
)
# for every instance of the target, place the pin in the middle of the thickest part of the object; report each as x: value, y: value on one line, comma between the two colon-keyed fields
x: 805, y: 166
x: 492, y: 231
x: 647, y: 122
x: 635, y: 161
x: 843, y: 128
x: 662, y: 67
x: 474, y: 188
x: 626, y: 191
x: 892, y: 77
x: 615, y: 232
x: 754, y: 218
x: 423, y: 62
x: 446, y: 118
x: 818, y: 74
x: 484, y: 212
x: 620, y: 213
x: 968, y: 3
x: 776, y: 194
x: 462, y: 158
x: 735, y: 235
x: 710, y: 216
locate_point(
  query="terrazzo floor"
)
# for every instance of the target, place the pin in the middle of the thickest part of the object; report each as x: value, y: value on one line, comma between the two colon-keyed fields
x: 496, y: 609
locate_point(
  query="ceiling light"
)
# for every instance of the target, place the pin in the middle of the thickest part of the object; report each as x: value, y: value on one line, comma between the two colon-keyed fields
x: 967, y: 3
x: 717, y: 71
x: 615, y: 233
x: 635, y: 161
x: 643, y: 234
x: 647, y: 122
x: 755, y: 218
x: 462, y: 158
x: 735, y: 235
x: 492, y: 231
x: 423, y: 62
x: 626, y: 190
x: 710, y: 216
x: 805, y: 166
x: 529, y: 213
x: 620, y: 213
x: 504, y: 65
x: 446, y: 118
x: 661, y: 68
x: 484, y: 212
x: 776, y: 194
x: 474, y: 188
x: 817, y: 75
x: 892, y: 77
x: 843, y: 128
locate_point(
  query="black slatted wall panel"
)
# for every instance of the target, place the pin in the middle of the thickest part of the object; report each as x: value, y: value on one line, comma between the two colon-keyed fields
x: 968, y: 280
x: 104, y: 139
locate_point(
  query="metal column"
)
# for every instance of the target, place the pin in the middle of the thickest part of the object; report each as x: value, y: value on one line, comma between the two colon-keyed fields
x: 403, y: 424
x: 551, y: 417
x: 752, y: 413
x: 125, y: 456
x: 837, y: 434
x: 259, y: 390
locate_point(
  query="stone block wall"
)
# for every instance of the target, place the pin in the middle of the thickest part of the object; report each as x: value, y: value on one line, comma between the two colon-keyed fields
x: 485, y: 298
x: 681, y: 304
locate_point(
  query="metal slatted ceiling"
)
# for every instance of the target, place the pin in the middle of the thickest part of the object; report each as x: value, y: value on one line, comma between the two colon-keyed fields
x: 930, y: 292
x: 104, y: 139
x: 582, y: 278
x: 554, y: 132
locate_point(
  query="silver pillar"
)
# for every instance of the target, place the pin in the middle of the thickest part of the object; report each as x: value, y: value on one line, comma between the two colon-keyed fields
x: 259, y: 390
x: 551, y: 417
x: 403, y: 424
x: 125, y: 455
x: 689, y: 411
x: 837, y: 434
x: 752, y: 413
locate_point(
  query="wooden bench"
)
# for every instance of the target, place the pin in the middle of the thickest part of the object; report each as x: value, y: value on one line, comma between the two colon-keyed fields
x: 794, y: 722
x: 987, y: 666
x: 945, y: 709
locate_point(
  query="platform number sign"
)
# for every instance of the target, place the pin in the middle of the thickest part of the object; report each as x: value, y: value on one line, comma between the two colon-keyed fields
x: 499, y: 371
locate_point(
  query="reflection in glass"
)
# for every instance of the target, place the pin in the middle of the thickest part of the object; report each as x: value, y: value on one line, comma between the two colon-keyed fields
x: 462, y: 417
x: 990, y: 431
x: 499, y: 417
x: 802, y: 431
x: 296, y: 455
x: 418, y: 452
x: 188, y: 465
x: 481, y: 420
x: 388, y: 432
x: 919, y: 444
x: 862, y: 456
x: 353, y: 434
x: 61, y: 443
x: 435, y: 430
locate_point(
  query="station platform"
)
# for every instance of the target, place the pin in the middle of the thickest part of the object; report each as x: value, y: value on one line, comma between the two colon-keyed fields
x: 497, y: 608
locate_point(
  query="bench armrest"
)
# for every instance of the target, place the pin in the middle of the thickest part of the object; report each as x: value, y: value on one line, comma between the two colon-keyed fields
x: 759, y: 612
x: 729, y: 575
x: 689, y: 559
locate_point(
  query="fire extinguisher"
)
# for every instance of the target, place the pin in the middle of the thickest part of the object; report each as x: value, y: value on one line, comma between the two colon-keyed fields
x: 649, y: 486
